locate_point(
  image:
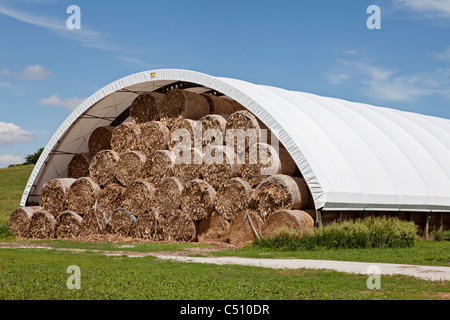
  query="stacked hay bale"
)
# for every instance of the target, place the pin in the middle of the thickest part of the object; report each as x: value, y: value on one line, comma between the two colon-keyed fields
x: 188, y: 167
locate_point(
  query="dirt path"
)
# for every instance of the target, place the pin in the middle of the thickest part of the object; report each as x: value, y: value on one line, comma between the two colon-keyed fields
x: 434, y: 273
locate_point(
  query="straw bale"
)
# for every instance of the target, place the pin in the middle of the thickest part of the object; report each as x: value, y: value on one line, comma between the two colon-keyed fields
x: 53, y: 195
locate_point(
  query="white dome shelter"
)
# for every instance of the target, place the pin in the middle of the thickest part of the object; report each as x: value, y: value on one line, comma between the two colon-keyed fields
x: 353, y: 156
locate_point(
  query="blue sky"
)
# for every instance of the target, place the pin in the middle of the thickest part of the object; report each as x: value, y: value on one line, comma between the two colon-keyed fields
x: 321, y: 47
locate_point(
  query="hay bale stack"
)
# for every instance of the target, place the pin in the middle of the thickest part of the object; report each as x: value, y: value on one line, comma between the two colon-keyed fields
x: 263, y: 161
x: 42, y: 225
x: 122, y: 223
x: 138, y: 197
x: 218, y: 105
x: 219, y: 165
x: 279, y: 192
x: 168, y: 195
x: 68, y: 225
x: 188, y: 168
x: 158, y: 166
x: 100, y: 139
x: 242, y: 130
x: 94, y: 221
x: 179, y: 104
x: 233, y: 198
x: 150, y: 225
x: 154, y: 136
x: 197, y: 199
x: 110, y: 198
x: 130, y: 166
x: 179, y: 226
x: 125, y: 137
x: 183, y: 135
x: 213, y: 130
x: 145, y: 107
x: 213, y: 229
x: 19, y: 220
x: 283, y: 220
x: 53, y: 195
x: 245, y: 227
x: 103, y: 167
x: 79, y: 165
x: 82, y: 195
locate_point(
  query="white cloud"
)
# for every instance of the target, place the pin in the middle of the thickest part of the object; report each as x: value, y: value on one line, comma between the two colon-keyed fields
x: 34, y: 72
x: 386, y: 84
x: 425, y: 8
x: 56, y: 101
x: 7, y: 159
x: 10, y: 133
x: 442, y: 55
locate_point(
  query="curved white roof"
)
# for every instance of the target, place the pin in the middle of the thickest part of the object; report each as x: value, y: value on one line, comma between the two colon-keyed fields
x: 353, y: 156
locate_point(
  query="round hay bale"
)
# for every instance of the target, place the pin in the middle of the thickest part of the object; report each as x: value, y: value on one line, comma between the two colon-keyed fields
x: 130, y: 166
x: 53, y: 195
x: 138, y: 197
x: 263, y: 161
x: 103, y: 167
x: 122, y: 223
x: 158, y: 166
x: 279, y: 192
x: 168, y: 195
x: 179, y: 104
x: 154, y: 136
x: 188, y: 166
x: 100, y: 139
x: 284, y: 220
x: 218, y: 105
x: 233, y: 198
x: 242, y: 130
x: 94, y: 221
x: 218, y: 165
x: 197, y: 199
x: 68, y: 225
x: 245, y: 227
x: 213, y: 229
x: 110, y: 198
x: 79, y: 166
x: 42, y: 225
x: 236, y: 105
x: 125, y: 137
x: 19, y: 220
x: 150, y: 225
x: 213, y: 130
x: 145, y: 107
x: 179, y: 226
x: 82, y: 195
x: 183, y: 135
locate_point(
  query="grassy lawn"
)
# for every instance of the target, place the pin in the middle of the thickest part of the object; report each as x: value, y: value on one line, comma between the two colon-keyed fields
x: 41, y: 274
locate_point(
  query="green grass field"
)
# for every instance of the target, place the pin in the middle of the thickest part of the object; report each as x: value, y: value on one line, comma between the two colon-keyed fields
x: 41, y: 273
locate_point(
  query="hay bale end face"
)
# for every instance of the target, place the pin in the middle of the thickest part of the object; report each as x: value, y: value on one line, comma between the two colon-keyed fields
x: 94, y: 222
x: 19, y: 220
x: 215, y: 228
x: 287, y: 220
x: 79, y: 165
x: 279, y: 192
x: 53, y: 196
x: 184, y: 134
x: 129, y: 167
x: 219, y: 165
x: 233, y: 198
x: 68, y: 225
x: 110, y: 198
x: 245, y: 227
x: 188, y: 165
x: 197, y: 199
x: 138, y: 197
x: 125, y: 137
x: 168, y: 195
x: 213, y: 130
x: 181, y: 104
x: 154, y: 135
x: 122, y: 223
x: 145, y: 107
x: 150, y: 225
x: 100, y: 139
x: 158, y: 166
x: 82, y: 195
x: 179, y: 226
x: 103, y: 167
x: 42, y: 225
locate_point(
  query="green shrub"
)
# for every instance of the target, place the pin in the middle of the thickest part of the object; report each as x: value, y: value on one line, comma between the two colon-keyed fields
x: 368, y: 233
x: 441, y: 235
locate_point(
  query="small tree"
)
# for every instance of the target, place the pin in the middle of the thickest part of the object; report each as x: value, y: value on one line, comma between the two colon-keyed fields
x: 33, y: 158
